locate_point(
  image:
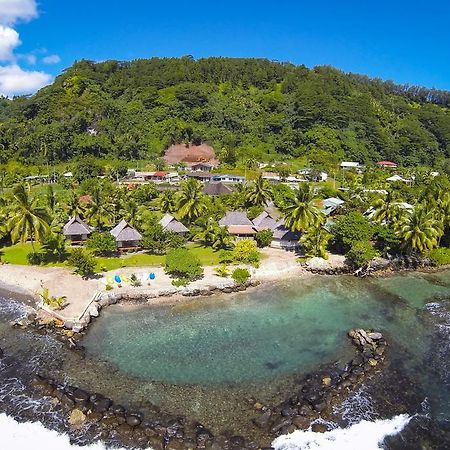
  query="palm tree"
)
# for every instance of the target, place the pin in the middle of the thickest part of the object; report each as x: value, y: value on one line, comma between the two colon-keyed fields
x: 214, y: 235
x: 420, y: 231
x: 387, y: 211
x: 315, y: 241
x: 191, y: 200
x: 28, y: 220
x: 259, y: 193
x: 300, y: 213
x: 51, y: 199
x: 130, y: 211
x: 74, y: 207
x: 100, y: 212
x: 167, y: 201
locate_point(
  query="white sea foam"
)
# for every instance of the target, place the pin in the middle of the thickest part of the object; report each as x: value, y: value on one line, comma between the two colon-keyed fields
x: 364, y: 435
x: 23, y: 436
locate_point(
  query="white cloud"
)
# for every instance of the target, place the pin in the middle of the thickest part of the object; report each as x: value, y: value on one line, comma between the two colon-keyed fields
x: 15, y: 81
x: 9, y: 40
x: 12, y: 11
x: 51, y: 59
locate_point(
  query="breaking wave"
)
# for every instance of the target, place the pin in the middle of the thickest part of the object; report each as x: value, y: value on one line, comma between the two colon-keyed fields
x: 364, y: 435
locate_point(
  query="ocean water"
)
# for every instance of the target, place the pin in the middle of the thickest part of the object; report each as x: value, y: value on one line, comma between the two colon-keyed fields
x: 203, y: 358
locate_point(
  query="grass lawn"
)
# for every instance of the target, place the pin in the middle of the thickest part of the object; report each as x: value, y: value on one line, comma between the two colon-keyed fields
x: 207, y: 257
x: 17, y: 254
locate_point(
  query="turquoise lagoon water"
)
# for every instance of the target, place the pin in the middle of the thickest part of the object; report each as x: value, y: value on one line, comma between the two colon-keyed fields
x: 276, y: 330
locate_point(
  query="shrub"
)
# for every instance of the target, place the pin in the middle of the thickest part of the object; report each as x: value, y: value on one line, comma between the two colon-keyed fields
x: 134, y: 280
x: 222, y: 271
x: 34, y: 258
x: 440, y: 256
x: 264, y: 238
x: 101, y: 243
x: 350, y: 229
x: 52, y: 302
x: 225, y: 256
x: 387, y: 240
x: 181, y: 263
x: 82, y: 261
x: 240, y: 276
x: 53, y: 248
x: 245, y: 251
x: 361, y: 254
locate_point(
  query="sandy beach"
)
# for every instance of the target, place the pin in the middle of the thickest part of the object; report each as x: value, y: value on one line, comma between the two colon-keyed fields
x: 276, y: 265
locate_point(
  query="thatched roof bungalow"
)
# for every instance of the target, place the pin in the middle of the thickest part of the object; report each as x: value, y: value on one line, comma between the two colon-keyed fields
x: 76, y: 230
x: 126, y: 236
x: 169, y: 223
x: 216, y: 188
x: 238, y: 224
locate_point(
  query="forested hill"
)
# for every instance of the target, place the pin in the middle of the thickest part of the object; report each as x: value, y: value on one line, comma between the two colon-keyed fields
x: 253, y: 108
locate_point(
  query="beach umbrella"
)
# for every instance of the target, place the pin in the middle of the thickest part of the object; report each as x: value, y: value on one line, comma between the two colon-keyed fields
x: 152, y: 276
x: 117, y: 279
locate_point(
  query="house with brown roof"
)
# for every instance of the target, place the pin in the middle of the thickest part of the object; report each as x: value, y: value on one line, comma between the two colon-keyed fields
x: 216, y: 188
x: 282, y: 236
x: 77, y: 230
x: 238, y: 224
x: 169, y: 223
x: 126, y: 236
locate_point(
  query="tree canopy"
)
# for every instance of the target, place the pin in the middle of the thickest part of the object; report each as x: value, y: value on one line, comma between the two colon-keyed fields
x: 245, y: 108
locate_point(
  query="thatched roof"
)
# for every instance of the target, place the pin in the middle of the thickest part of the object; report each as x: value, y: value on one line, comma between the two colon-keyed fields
x: 265, y: 221
x: 169, y: 223
x: 124, y: 232
x: 282, y: 233
x: 235, y: 218
x: 76, y: 226
x: 241, y: 229
x: 216, y: 188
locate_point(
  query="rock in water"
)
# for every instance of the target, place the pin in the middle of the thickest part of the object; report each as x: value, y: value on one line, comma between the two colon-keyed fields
x: 76, y: 418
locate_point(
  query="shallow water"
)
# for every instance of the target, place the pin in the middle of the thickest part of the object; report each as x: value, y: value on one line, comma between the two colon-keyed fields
x: 265, y: 333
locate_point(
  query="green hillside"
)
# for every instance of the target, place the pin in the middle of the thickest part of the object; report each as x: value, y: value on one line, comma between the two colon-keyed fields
x: 245, y: 108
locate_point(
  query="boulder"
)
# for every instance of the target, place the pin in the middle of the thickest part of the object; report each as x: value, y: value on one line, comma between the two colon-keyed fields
x: 263, y: 420
x: 133, y: 420
x: 319, y: 428
x: 76, y: 418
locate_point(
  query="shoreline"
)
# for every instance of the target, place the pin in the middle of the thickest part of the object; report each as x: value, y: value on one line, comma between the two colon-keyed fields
x: 86, y: 298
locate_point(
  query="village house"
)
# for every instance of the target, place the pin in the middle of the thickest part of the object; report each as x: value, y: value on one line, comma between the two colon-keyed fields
x: 203, y: 167
x: 200, y: 176
x: 331, y: 205
x: 282, y: 236
x: 126, y: 236
x: 387, y: 164
x: 169, y: 223
x: 229, y: 178
x: 216, y: 188
x: 76, y: 230
x: 238, y: 224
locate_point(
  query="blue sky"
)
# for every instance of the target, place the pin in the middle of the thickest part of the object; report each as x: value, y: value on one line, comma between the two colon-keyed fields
x: 406, y: 41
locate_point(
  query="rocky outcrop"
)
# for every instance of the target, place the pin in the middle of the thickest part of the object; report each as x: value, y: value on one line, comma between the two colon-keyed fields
x: 319, y: 391
x: 108, y: 419
x: 142, y: 296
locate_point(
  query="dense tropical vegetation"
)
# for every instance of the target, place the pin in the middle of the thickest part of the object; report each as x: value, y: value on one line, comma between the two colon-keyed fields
x: 248, y: 109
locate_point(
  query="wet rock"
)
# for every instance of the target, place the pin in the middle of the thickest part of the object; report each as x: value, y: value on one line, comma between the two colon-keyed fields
x: 175, y: 444
x: 118, y: 410
x: 133, y: 420
x: 76, y: 418
x: 101, y: 404
x: 237, y: 442
x: 155, y: 443
x: 263, y: 420
x: 301, y: 422
x: 139, y: 436
x: 94, y: 416
x: 280, y: 423
x: 319, y: 428
x: 203, y: 436
x: 289, y: 412
x: 125, y: 430
x: 42, y: 386
x: 67, y: 402
x: 80, y: 396
x: 2, y: 353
